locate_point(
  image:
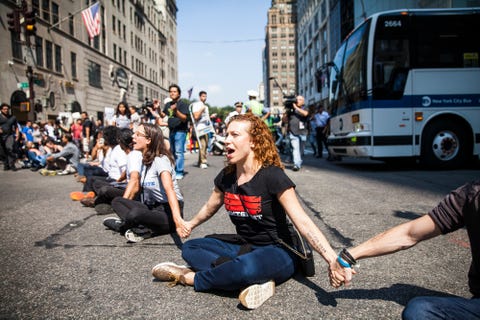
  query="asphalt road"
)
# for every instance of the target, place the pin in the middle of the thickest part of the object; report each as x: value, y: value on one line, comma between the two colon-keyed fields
x: 59, y: 262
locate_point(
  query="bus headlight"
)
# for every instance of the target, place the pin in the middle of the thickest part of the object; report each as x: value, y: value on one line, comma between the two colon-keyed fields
x: 357, y: 127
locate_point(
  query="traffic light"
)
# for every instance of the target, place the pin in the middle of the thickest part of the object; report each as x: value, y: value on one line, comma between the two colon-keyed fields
x: 13, y: 20
x: 30, y: 28
x: 25, y: 106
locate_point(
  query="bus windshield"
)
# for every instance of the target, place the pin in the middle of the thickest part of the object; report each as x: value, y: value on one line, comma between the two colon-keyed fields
x: 349, y: 76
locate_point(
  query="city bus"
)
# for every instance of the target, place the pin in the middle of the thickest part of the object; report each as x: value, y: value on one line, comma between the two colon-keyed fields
x: 406, y: 83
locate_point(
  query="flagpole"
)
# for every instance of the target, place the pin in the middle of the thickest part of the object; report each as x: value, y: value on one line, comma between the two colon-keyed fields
x: 68, y: 16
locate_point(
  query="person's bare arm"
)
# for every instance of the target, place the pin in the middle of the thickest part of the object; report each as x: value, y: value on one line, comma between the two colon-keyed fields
x: 398, y: 238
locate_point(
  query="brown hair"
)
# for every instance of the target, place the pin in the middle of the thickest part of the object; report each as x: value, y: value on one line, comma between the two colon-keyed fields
x: 264, y: 149
x: 157, y: 145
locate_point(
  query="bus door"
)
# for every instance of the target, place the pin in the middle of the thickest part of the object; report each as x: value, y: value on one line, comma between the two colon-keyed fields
x: 391, y: 82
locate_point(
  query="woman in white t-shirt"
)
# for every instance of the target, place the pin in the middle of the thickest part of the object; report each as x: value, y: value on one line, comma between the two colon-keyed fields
x: 160, y: 210
x: 122, y: 116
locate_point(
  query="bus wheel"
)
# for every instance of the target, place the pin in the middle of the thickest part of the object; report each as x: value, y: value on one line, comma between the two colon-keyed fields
x: 444, y: 145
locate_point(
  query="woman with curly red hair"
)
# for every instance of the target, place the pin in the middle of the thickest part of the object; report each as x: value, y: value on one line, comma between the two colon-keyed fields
x: 257, y: 196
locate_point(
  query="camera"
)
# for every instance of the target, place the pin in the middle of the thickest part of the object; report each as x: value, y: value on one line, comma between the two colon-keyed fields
x: 147, y: 104
x: 288, y: 102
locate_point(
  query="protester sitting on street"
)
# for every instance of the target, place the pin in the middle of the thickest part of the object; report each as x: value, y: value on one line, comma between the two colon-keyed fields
x: 102, y: 154
x: 113, y: 164
x: 160, y: 210
x: 36, y: 156
x: 459, y: 209
x: 66, y: 161
x: 106, y: 190
x: 258, y: 196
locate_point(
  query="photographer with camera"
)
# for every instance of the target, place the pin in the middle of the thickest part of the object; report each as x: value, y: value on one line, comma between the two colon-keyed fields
x: 296, y: 117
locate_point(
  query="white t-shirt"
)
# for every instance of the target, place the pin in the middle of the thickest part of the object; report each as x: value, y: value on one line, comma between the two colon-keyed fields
x: 117, y: 163
x: 134, y: 162
x: 204, y: 121
x: 153, y: 190
x: 122, y: 121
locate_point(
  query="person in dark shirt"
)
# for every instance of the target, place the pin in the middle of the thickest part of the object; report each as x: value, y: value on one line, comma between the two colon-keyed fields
x: 9, y: 135
x: 459, y: 209
x: 177, y: 112
x: 258, y: 196
x: 87, y: 134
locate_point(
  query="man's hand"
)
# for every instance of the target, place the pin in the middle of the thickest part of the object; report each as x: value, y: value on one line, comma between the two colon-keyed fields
x: 339, y: 275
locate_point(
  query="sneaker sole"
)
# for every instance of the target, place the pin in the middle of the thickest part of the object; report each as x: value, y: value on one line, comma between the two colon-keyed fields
x: 133, y: 237
x: 255, y: 295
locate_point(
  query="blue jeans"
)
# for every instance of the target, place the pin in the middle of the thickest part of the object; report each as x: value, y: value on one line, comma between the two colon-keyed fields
x: 37, y: 161
x: 298, y: 145
x: 262, y: 264
x: 427, y: 308
x: 177, y: 146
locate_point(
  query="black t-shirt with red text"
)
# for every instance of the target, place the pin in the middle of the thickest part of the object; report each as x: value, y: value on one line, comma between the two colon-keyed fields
x: 254, y: 208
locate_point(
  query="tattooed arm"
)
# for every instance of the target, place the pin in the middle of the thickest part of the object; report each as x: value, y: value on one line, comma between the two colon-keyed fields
x: 338, y: 275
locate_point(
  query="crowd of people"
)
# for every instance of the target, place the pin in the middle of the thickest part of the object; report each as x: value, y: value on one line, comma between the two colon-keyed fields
x: 130, y: 170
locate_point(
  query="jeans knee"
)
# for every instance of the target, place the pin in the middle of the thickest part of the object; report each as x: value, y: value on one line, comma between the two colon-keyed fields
x: 419, y: 308
x: 188, y: 247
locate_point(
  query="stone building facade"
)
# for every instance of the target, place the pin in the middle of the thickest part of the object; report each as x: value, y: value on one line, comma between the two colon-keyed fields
x: 133, y: 58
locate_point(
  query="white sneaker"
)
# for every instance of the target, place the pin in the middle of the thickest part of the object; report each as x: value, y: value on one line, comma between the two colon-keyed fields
x: 203, y: 166
x: 138, y: 235
x: 255, y: 295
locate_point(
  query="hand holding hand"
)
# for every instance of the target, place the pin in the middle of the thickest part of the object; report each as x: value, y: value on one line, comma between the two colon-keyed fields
x: 183, y: 229
x: 339, y: 275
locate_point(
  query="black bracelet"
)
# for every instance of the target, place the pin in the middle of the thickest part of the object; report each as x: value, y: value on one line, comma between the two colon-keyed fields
x: 348, y: 257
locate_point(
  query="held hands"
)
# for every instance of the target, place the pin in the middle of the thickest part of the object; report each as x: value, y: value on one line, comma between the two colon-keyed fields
x: 340, y: 275
x: 184, y: 228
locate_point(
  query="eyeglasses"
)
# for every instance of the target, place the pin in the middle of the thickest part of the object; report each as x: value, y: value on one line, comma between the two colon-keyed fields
x: 139, y: 134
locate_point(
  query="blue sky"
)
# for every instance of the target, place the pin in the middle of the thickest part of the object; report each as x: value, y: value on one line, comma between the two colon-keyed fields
x: 214, y: 53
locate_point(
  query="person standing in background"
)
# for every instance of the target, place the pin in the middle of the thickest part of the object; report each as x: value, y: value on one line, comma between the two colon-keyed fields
x: 87, y: 133
x: 201, y: 123
x: 297, y: 130
x: 122, y: 116
x: 9, y: 134
x: 321, y: 122
x: 177, y: 112
x: 254, y: 106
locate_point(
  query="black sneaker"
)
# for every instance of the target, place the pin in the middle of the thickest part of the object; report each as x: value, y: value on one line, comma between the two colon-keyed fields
x: 295, y: 168
x: 113, y: 223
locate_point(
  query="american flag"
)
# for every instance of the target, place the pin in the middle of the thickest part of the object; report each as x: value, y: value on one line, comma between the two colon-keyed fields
x: 91, y: 18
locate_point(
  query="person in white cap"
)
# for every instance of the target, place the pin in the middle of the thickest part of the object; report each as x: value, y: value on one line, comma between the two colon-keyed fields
x: 254, y: 106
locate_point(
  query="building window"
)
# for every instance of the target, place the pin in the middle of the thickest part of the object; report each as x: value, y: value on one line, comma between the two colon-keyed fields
x: 140, y: 92
x: 71, y: 25
x: 114, y: 52
x: 46, y: 10
x: 48, y: 55
x: 16, y: 45
x: 39, y: 51
x: 94, y: 74
x: 54, y: 13
x: 114, y: 23
x: 58, y: 58
x: 73, y: 64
